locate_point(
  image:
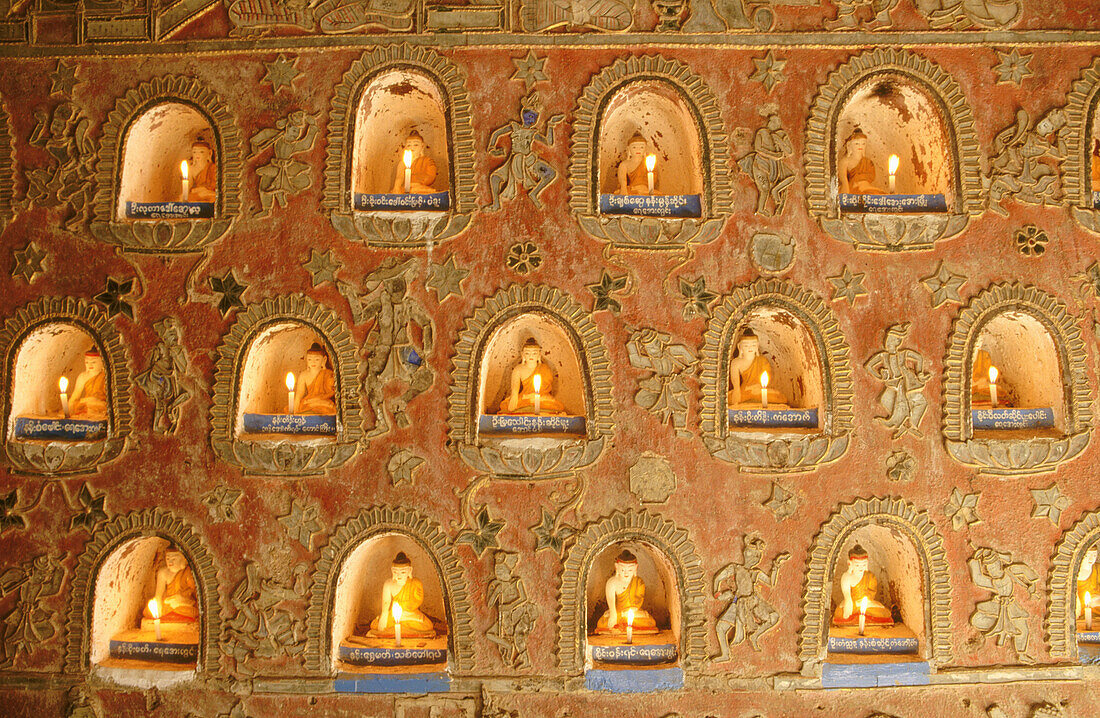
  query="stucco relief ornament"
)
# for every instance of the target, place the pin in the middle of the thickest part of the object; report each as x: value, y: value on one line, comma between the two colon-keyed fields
x: 1027, y: 161
x: 523, y: 166
x: 1001, y: 617
x: 652, y: 479
x: 163, y: 379
x: 322, y: 266
x: 848, y: 285
x: 221, y: 503
x: 515, y: 614
x: 604, y: 291
x: 265, y: 622
x: 28, y: 263
x: 944, y: 285
x: 281, y: 72
x: 284, y: 176
x: 766, y: 164
x: 771, y: 253
x: 1012, y: 67
x: 68, y: 177
x: 747, y: 615
x: 663, y: 391
x: 902, y: 371
x: 781, y: 502
x: 446, y: 278
x: 403, y: 465
x: 28, y: 623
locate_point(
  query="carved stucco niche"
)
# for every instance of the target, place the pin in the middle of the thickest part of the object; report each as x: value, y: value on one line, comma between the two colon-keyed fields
x: 902, y: 520
x: 374, y: 523
x: 1017, y: 453
x: 66, y: 318
x: 689, y: 92
x: 120, y: 534
x: 290, y: 456
x: 185, y: 102
x: 535, y: 457
x: 400, y: 229
x: 1061, y: 618
x: 1083, y: 121
x: 7, y: 166
x: 665, y: 540
x: 892, y: 232
x: 776, y: 450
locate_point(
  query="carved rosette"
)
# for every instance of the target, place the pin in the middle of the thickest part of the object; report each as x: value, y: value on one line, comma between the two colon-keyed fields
x: 416, y: 229
x: 287, y: 457
x: 7, y: 166
x: 167, y: 236
x: 108, y: 538
x: 671, y: 542
x: 59, y: 458
x: 903, y: 519
x: 1015, y: 455
x: 891, y: 232
x: 774, y: 452
x: 1084, y: 97
x: 348, y: 536
x: 646, y: 233
x: 1061, y: 618
x: 548, y: 459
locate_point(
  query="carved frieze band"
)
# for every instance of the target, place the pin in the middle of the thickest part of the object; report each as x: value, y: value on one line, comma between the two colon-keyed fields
x: 380, y: 521
x: 57, y: 458
x: 672, y: 542
x: 167, y: 236
x: 1061, y: 618
x: 108, y: 538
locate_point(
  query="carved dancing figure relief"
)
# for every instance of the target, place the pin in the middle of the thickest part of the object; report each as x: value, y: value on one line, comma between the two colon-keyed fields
x: 162, y: 381
x: 747, y: 615
x: 940, y: 14
x: 29, y: 624
x: 515, y: 614
x: 605, y: 15
x: 664, y: 392
x: 1001, y: 617
x: 1026, y: 162
x: 765, y: 164
x: 902, y: 371
x: 265, y: 623
x: 523, y: 167
x: 284, y: 176
x: 63, y: 134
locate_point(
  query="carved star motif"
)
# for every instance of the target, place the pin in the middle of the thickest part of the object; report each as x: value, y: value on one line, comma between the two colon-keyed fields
x: 231, y: 291
x: 1012, y: 68
x: 769, y: 70
x: 281, y: 72
x: 29, y: 262
x: 322, y: 267
x: 848, y: 285
x: 782, y: 503
x: 63, y: 79
x: 446, y: 279
x: 697, y: 299
x: 221, y: 501
x: 302, y: 523
x: 90, y: 510
x: 10, y: 518
x: 962, y: 509
x: 529, y: 70
x: 548, y: 536
x: 484, y: 536
x: 604, y: 290
x: 944, y: 285
x: 1049, y: 503
x: 402, y: 465
x: 114, y: 297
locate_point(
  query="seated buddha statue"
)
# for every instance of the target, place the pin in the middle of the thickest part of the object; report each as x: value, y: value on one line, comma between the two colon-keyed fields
x: 202, y: 172
x: 89, y: 396
x: 408, y: 592
x: 423, y: 167
x: 1088, y: 580
x: 856, y: 171
x: 522, y: 390
x: 746, y: 369
x: 175, y: 592
x: 979, y: 383
x: 632, y: 173
x: 625, y: 591
x: 318, y: 382
x: 856, y: 584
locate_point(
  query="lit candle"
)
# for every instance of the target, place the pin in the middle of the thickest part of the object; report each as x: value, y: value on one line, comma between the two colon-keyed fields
x: 630, y: 625
x: 396, y: 624
x: 408, y: 171
x: 650, y: 163
x: 290, y: 393
x: 1088, y: 611
x: 63, y: 385
x: 186, y: 183
x: 764, y: 389
x: 862, y: 614
x: 536, y: 381
x: 154, y: 608
x: 993, y: 385
x: 894, y: 160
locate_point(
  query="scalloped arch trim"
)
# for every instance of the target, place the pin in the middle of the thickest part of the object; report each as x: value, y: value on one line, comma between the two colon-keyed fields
x: 1061, y: 618
x: 1081, y: 108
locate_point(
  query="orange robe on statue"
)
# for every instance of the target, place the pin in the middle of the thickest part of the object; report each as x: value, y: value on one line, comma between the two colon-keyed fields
x: 319, y: 394
x: 182, y: 585
x: 632, y: 597
x: 861, y: 178
x: 94, y: 398
x: 637, y: 182
x: 877, y: 614
x: 423, y: 177
x: 414, y: 624
x: 751, y: 385
x: 548, y: 404
x: 204, y: 187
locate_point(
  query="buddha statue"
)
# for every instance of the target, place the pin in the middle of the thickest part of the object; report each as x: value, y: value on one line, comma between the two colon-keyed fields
x: 625, y: 591
x: 408, y: 593
x: 856, y: 584
x: 318, y: 384
x: 1096, y: 165
x: 175, y: 591
x: 747, y: 368
x: 1088, y: 580
x: 89, y: 396
x: 632, y: 173
x: 980, y: 393
x: 856, y: 171
x: 423, y: 170
x: 202, y: 172
x: 523, y: 393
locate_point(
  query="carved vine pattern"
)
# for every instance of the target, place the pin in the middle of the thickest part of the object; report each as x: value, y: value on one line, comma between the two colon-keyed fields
x: 1061, y: 618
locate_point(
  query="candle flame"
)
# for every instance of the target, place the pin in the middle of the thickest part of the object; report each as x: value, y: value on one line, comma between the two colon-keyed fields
x: 993, y: 373
x: 396, y: 611
x: 408, y: 158
x: 63, y: 384
x: 894, y: 161
x: 154, y: 608
x: 290, y: 381
x: 650, y: 162
x: 764, y: 379
x: 183, y: 169
x: 630, y: 616
x: 536, y: 381
x: 1088, y: 600
x: 863, y: 605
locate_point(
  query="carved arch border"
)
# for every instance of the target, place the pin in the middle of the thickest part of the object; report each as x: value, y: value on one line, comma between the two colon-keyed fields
x: 587, y: 343
x: 110, y: 536
x: 80, y: 457
x: 1082, y: 106
x: 1015, y: 456
x: 898, y: 515
x: 634, y: 232
x: 368, y: 524
x: 776, y: 453
x: 286, y: 458
x: 663, y: 535
x: 175, y: 236
x: 7, y: 166
x: 451, y: 82
x: 1061, y: 618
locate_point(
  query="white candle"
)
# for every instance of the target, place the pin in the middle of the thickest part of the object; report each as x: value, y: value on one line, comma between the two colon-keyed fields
x: 650, y: 163
x: 290, y: 393
x: 408, y: 171
x: 186, y: 183
x: 1088, y: 611
x: 536, y: 381
x: 862, y: 615
x: 63, y: 385
x: 894, y: 160
x: 396, y: 624
x: 993, y: 385
x: 630, y: 625
x: 154, y: 608
x: 764, y: 389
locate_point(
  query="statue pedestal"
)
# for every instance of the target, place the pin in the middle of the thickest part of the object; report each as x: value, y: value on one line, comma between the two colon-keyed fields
x: 646, y: 665
x: 870, y: 671
x: 1088, y: 643
x: 169, y: 210
x: 433, y: 202
x: 1012, y: 418
x: 896, y: 639
x: 47, y: 429
x: 778, y: 418
x: 656, y: 205
x: 292, y: 424
x: 376, y: 665
x: 139, y: 648
x: 528, y: 425
x: 645, y: 650
x: 892, y: 203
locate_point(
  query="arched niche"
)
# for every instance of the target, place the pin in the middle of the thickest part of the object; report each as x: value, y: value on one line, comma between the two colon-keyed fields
x: 40, y: 342
x: 1037, y: 340
x: 484, y: 351
x: 1061, y: 619
x: 799, y: 331
x: 678, y: 114
x: 144, y: 139
x: 384, y: 94
x: 667, y: 563
x: 108, y: 588
x: 361, y: 547
x: 909, y: 101
x: 904, y: 546
x: 1083, y: 124
x: 250, y: 370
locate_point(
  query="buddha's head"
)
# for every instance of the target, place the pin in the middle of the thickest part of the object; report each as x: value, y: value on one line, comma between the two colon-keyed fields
x: 175, y: 560
x: 316, y: 357
x: 636, y: 146
x: 401, y: 569
x: 415, y: 144
x: 748, y: 346
x: 858, y: 561
x: 626, y: 566
x: 530, y: 354
x: 93, y: 361
x: 856, y: 144
x: 202, y: 154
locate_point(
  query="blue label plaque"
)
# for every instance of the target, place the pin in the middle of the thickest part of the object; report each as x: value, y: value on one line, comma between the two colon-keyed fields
x: 169, y: 210
x: 433, y: 202
x: 382, y: 656
x: 1089, y: 636
x: 892, y: 203
x: 63, y: 429
x: 639, y: 655
x: 392, y: 683
x: 639, y: 680
x: 873, y: 675
x: 775, y: 418
x: 519, y: 424
x: 1012, y: 418
x: 155, y: 651
x: 657, y: 205
x: 324, y: 424
x: 872, y: 644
